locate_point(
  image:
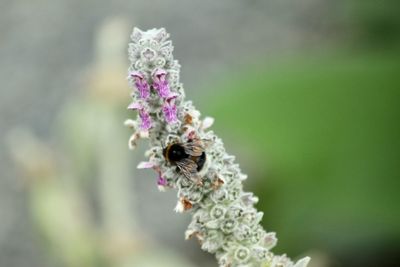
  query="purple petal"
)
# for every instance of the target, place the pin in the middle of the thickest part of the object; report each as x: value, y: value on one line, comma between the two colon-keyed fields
x: 141, y: 84
x: 170, y: 112
x: 159, y: 73
x: 160, y: 83
x: 161, y: 180
x: 143, y: 87
x: 145, y: 120
x: 137, y: 74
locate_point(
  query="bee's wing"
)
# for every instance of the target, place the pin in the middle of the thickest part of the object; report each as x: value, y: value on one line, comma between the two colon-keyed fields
x: 188, y: 168
x: 194, y: 148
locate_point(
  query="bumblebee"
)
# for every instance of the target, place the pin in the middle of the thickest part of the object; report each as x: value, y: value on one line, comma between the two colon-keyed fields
x: 189, y: 158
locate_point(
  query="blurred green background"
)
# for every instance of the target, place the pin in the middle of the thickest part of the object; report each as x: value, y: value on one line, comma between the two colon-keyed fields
x: 305, y: 94
x: 322, y: 139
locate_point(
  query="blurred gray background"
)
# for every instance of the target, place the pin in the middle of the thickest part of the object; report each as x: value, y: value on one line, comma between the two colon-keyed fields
x: 46, y: 48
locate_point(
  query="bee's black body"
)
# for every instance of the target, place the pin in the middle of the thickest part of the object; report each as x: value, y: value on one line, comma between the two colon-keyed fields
x: 200, y: 161
x: 177, y: 154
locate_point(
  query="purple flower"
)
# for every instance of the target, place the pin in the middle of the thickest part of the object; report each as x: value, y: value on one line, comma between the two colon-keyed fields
x: 170, y: 111
x: 145, y: 120
x: 141, y: 84
x: 160, y: 83
x: 161, y: 180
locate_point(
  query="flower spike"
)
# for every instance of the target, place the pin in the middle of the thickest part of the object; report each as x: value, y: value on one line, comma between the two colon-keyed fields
x: 208, y: 181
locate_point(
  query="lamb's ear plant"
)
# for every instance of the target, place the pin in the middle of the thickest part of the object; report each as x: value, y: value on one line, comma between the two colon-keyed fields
x: 224, y: 219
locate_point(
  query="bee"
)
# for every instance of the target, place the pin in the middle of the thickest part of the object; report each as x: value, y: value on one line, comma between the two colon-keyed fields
x: 188, y: 157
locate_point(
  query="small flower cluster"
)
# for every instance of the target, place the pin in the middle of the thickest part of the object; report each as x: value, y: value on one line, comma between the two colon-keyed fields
x: 224, y: 218
x: 160, y: 84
